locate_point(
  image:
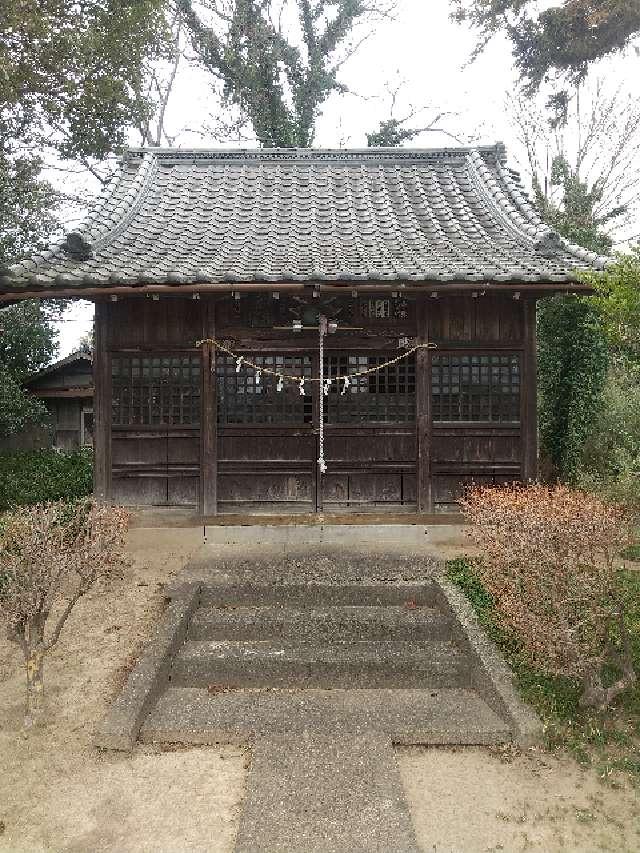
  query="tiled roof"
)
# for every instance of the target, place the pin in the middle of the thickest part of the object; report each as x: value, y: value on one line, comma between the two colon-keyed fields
x: 76, y: 357
x: 172, y: 216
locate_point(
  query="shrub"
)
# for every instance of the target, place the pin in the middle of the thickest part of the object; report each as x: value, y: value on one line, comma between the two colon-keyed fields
x: 550, y: 564
x: 50, y: 556
x: 610, y: 463
x: 44, y: 475
x: 572, y: 369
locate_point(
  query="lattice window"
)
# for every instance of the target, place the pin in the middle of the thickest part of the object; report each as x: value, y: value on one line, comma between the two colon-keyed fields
x: 156, y: 390
x: 484, y: 388
x: 385, y: 396
x: 241, y: 400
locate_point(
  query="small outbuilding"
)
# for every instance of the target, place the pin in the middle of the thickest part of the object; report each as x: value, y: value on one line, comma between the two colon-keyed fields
x: 307, y: 330
x: 66, y: 387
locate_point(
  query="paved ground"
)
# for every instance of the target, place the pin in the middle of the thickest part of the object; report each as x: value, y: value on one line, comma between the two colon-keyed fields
x: 57, y: 793
x: 325, y: 794
x: 322, y: 657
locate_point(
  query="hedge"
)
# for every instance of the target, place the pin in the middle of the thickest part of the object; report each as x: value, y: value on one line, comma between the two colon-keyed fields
x: 28, y: 478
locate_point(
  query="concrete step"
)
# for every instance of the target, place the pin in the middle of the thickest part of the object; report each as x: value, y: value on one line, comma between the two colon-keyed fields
x: 315, y: 624
x: 322, y: 595
x: 436, y: 717
x: 361, y: 664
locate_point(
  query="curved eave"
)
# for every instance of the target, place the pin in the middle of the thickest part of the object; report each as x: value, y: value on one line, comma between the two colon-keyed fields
x: 559, y: 284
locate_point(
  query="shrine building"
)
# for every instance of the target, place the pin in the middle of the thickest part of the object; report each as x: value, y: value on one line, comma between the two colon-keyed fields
x: 300, y: 331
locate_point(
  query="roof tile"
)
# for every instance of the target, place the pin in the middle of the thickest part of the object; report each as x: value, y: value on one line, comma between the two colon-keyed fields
x: 173, y: 216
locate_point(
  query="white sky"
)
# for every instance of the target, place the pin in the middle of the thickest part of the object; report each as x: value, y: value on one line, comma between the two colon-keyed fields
x: 421, y: 47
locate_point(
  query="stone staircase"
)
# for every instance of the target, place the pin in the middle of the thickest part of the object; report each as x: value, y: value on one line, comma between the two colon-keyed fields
x: 270, y: 658
x: 320, y: 663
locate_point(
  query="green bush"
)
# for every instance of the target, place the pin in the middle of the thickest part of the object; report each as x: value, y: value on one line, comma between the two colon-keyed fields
x: 610, y: 463
x: 572, y: 369
x: 44, y: 475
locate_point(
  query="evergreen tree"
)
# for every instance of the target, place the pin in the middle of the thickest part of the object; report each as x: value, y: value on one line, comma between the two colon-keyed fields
x: 564, y: 39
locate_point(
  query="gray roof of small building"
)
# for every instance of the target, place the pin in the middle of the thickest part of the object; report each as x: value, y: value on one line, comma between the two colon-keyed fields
x: 79, y: 357
x: 172, y: 216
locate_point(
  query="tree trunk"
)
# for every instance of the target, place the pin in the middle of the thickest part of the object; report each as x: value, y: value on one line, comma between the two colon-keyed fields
x: 35, y: 687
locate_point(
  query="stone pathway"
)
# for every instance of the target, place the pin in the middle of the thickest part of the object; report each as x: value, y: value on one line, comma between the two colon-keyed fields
x: 321, y: 664
x: 317, y: 793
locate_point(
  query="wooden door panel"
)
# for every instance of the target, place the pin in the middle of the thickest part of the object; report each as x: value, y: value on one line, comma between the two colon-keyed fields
x: 376, y: 488
x: 182, y: 490
x: 139, y: 448
x: 367, y: 445
x: 155, y: 468
x: 137, y: 489
x: 272, y: 487
x: 449, y: 489
x: 255, y: 445
x: 367, y: 465
x: 335, y: 488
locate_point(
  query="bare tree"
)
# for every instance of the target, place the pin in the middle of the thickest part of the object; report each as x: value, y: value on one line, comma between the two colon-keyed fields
x: 51, y: 555
x: 413, y: 122
x: 590, y: 149
x: 159, y: 84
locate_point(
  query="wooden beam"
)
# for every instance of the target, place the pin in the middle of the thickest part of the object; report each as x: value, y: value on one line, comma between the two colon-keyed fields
x: 423, y: 412
x: 530, y: 391
x: 102, y: 406
x: 209, y: 418
x: 403, y: 288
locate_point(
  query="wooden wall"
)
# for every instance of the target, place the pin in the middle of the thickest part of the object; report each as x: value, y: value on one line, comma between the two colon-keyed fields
x: 463, y: 453
x: 418, y: 464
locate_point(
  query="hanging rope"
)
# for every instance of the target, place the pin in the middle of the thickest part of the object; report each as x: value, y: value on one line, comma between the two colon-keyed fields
x: 301, y: 380
x: 322, y: 325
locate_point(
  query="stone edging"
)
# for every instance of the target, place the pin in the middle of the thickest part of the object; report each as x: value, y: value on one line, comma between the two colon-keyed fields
x: 120, y: 727
x: 495, y: 677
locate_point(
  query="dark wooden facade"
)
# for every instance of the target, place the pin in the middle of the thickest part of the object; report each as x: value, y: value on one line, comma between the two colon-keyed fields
x: 178, y: 425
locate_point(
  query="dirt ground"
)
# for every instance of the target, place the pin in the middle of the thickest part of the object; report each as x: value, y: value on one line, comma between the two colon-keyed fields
x: 473, y: 800
x: 57, y: 793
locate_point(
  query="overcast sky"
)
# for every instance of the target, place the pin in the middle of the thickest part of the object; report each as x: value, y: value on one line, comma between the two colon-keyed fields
x: 421, y: 47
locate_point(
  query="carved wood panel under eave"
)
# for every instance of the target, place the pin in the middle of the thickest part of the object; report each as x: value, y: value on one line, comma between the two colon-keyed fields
x: 492, y: 318
x: 145, y: 323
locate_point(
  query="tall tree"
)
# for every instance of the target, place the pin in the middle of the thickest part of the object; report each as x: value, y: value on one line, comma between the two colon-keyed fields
x: 564, y: 39
x: 618, y: 298
x: 586, y: 181
x: 583, y: 163
x: 72, y: 81
x: 27, y: 207
x: 72, y: 74
x: 278, y: 62
x: 572, y: 371
x: 579, y: 192
x: 28, y: 341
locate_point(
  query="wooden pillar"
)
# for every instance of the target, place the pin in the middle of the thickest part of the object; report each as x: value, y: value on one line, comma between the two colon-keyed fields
x: 208, y: 418
x: 530, y: 394
x: 102, y: 405
x: 423, y: 410
x: 316, y: 476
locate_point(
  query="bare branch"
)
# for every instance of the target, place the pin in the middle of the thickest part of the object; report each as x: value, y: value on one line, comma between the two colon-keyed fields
x: 61, y: 621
